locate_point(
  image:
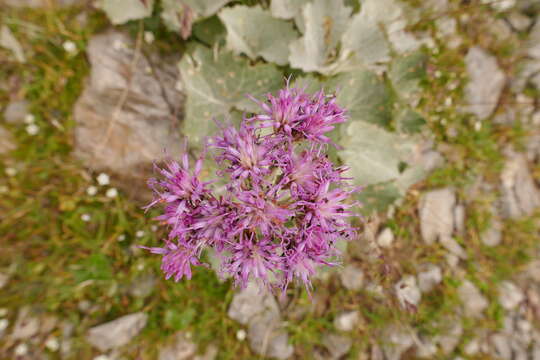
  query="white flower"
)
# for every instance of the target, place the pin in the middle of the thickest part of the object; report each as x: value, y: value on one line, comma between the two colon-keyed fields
x: 102, y: 357
x: 21, y: 349
x: 92, y: 190
x: 32, y: 129
x: 29, y: 119
x: 139, y: 233
x: 70, y: 47
x: 52, y: 344
x: 11, y: 171
x: 478, y: 125
x: 86, y: 217
x: 438, y: 74
x: 149, y: 37
x: 4, y: 323
x: 140, y: 267
x: 121, y: 237
x: 103, y: 179
x: 241, y: 335
x: 111, y: 193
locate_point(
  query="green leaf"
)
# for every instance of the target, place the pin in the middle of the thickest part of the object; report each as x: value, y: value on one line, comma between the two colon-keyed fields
x: 205, y: 8
x: 210, y: 30
x: 406, y: 74
x: 178, y: 320
x: 409, y: 121
x: 121, y: 11
x: 366, y: 39
x: 286, y: 9
x: 324, y: 22
x: 373, y: 153
x: 254, y: 32
x: 215, y: 85
x: 376, y: 198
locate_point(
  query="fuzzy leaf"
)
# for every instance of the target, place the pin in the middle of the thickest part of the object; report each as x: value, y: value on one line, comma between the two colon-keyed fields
x: 366, y: 39
x: 286, y: 9
x: 205, y: 8
x: 214, y: 86
x: 324, y: 22
x: 378, y: 197
x: 254, y: 32
x: 179, y: 15
x: 373, y: 153
x: 406, y: 74
x: 122, y: 11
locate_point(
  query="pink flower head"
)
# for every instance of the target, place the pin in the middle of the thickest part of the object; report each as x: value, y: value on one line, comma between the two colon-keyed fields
x: 285, y: 204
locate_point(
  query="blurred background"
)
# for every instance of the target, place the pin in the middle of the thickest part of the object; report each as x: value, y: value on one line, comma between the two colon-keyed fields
x: 444, y: 137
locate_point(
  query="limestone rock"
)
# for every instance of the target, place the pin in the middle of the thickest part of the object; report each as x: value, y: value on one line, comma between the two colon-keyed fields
x: 520, y: 196
x: 436, y: 210
x: 474, y: 302
x: 118, y: 332
x: 352, y: 277
x: 181, y: 348
x: 7, y: 143
x: 486, y: 82
x: 129, y: 111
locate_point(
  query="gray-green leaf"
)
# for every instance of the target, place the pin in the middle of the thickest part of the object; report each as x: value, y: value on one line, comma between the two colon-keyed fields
x: 373, y: 153
x: 324, y: 22
x: 254, y: 32
x: 286, y: 9
x: 121, y: 11
x: 366, y: 39
x: 216, y: 85
x: 406, y: 73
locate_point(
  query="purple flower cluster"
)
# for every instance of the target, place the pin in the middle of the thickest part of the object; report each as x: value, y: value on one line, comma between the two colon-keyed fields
x: 285, y: 205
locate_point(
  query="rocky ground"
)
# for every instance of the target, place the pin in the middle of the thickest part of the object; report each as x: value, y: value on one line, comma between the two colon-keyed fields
x: 450, y: 272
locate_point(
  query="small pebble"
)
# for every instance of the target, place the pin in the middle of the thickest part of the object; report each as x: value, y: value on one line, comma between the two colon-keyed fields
x: 21, y: 349
x: 121, y: 237
x: 4, y: 323
x: 103, y: 179
x: 139, y: 233
x: 241, y: 335
x: 29, y: 119
x: 102, y: 357
x: 32, y: 129
x: 92, y: 190
x: 111, y: 193
x: 11, y: 171
x: 52, y: 344
x: 149, y: 37
x: 3, y: 312
x: 86, y: 217
x: 70, y: 47
x: 3, y: 189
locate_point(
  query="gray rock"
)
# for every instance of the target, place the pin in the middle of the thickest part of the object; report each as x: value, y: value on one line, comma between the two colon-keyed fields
x: 533, y: 45
x: 181, y: 348
x: 429, y: 278
x: 501, y: 346
x: 250, y: 302
x: 472, y: 347
x: 453, y: 246
x: 118, y: 332
x: 127, y: 114
x: 397, y: 341
x: 486, y: 82
x: 268, y: 338
x: 337, y: 345
x: 527, y: 69
x: 436, y: 210
x: 520, y: 197
x: 347, y: 321
x: 143, y: 286
x: 536, y: 351
x: 519, y: 21
x: 426, y: 349
x: 510, y: 295
x: 4, y: 278
x: 474, y: 302
x: 407, y: 291
x: 492, y: 236
x: 459, y: 219
x: 26, y: 325
x: 385, y: 238
x: 352, y: 277
x: 450, y: 339
x: 16, y: 111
